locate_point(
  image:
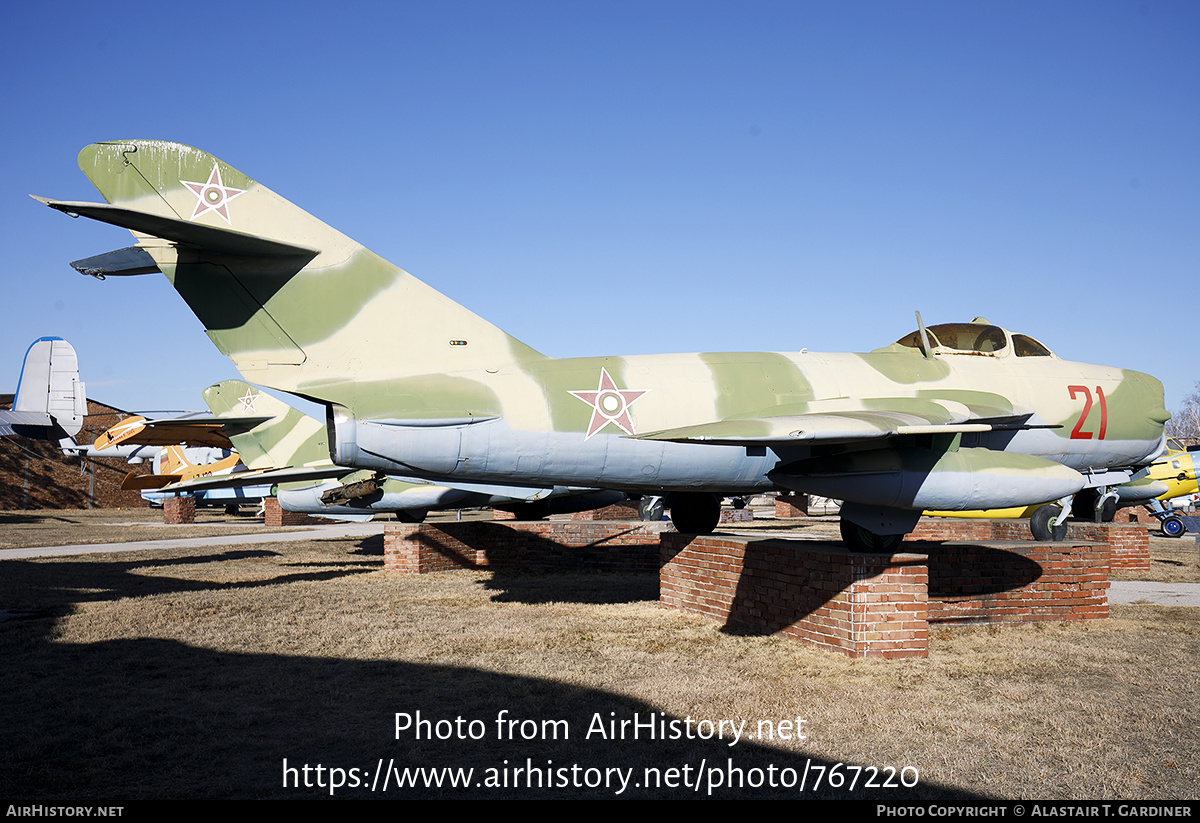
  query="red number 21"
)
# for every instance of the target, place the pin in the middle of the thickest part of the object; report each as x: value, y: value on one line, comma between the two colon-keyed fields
x: 1075, y: 391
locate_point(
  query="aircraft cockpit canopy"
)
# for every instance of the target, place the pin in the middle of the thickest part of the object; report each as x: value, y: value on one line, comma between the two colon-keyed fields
x: 974, y: 338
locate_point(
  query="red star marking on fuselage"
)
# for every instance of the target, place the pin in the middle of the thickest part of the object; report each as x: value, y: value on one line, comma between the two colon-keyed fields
x: 609, y: 404
x: 247, y: 402
x: 213, y: 195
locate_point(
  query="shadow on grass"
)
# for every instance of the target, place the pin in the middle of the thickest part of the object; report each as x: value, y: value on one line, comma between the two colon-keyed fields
x: 24, y: 518
x: 370, y: 546
x: 148, y: 718
x: 27, y: 585
x: 599, y: 588
x: 153, y: 718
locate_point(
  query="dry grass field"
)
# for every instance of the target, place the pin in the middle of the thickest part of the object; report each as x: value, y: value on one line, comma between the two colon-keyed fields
x: 196, y: 673
x: 70, y: 527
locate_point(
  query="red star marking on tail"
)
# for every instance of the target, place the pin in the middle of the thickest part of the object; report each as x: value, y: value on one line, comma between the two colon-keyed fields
x: 609, y: 404
x: 213, y: 195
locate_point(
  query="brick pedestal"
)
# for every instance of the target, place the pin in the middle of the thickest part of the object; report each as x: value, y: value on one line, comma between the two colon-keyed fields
x: 420, y: 548
x: 1136, y: 514
x: 617, y: 511
x: 275, y: 515
x: 1129, y: 543
x: 178, y: 510
x: 791, y: 505
x: 1017, y: 581
x: 862, y: 605
x: 867, y: 605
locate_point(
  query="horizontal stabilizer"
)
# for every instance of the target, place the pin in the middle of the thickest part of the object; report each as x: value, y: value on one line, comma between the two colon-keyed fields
x: 15, y: 422
x: 140, y: 482
x: 191, y: 430
x: 293, y: 474
x: 119, y: 263
x: 138, y: 431
x: 183, y: 232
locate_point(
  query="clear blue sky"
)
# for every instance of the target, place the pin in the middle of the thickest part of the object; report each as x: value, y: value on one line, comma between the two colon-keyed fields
x: 619, y: 178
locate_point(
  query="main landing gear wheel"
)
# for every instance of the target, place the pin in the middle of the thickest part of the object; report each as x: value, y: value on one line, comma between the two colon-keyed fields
x: 651, y: 509
x: 695, y: 512
x: 858, y: 539
x: 1173, y: 527
x: 1108, y: 511
x: 1083, y: 507
x: 1041, y: 524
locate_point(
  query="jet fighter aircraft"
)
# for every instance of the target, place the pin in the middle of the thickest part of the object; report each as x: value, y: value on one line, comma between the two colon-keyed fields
x: 951, y: 417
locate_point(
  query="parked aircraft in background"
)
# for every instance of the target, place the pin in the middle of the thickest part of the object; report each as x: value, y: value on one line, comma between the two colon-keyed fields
x: 50, y: 402
x: 132, y: 454
x: 1168, y: 478
x: 181, y: 447
x: 290, y: 449
x: 1177, y: 469
x: 189, y: 428
x: 955, y: 416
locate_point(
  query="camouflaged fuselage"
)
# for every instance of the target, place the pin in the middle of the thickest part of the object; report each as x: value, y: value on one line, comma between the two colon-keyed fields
x: 416, y: 384
x: 534, y: 427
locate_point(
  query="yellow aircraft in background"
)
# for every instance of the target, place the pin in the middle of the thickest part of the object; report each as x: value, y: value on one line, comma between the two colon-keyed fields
x: 1171, y: 476
x: 191, y: 446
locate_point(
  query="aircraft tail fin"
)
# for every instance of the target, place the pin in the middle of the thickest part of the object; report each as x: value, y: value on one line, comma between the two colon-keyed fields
x: 169, y: 465
x: 296, y: 305
x: 173, y: 461
x: 49, y: 399
x: 290, y: 438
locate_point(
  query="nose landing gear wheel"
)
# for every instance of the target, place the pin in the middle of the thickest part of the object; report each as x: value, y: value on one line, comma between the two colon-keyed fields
x: 650, y: 508
x: 1041, y: 524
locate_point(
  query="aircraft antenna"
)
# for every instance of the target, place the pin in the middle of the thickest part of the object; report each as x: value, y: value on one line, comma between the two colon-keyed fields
x: 924, y: 337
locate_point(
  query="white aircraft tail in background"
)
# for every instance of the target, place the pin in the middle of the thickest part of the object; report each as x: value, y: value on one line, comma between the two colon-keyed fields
x: 50, y: 403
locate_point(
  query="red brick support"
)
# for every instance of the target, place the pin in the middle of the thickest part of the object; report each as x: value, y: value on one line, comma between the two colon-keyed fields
x: 858, y: 604
x: 275, y: 515
x: 1017, y: 581
x: 957, y: 528
x: 1136, y: 514
x: 617, y: 511
x: 1129, y: 543
x: 177, y: 510
x: 865, y: 605
x: 420, y: 548
x: 791, y: 505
